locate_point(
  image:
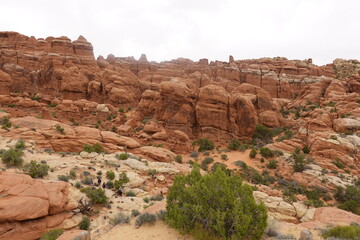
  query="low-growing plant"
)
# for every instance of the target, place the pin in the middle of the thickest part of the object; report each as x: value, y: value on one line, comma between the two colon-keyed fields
x: 122, y: 156
x: 144, y: 218
x: 234, y: 144
x: 72, y: 174
x: 110, y: 175
x: 123, y: 179
x: 178, y: 159
x: 36, y: 170
x: 119, y: 218
x: 135, y: 213
x: 85, y: 223
x: 12, y: 157
x: 146, y: 199
x: 224, y: 157
x: 160, y: 215
x: 60, y: 129
x: 206, y: 162
x: 52, y: 105
x: 194, y: 154
x: 263, y: 133
x: 253, y: 153
x: 156, y: 198
x: 338, y: 163
x: 306, y: 149
x: 109, y: 184
x: 63, y: 178
x: 266, y: 152
x: 52, y: 234
x: 20, y: 145
x: 204, y: 144
x: 299, y: 162
x: 94, y: 148
x: 95, y: 195
x: 152, y: 172
x: 130, y: 194
x: 273, y: 164
x: 5, y: 123
x: 343, y: 232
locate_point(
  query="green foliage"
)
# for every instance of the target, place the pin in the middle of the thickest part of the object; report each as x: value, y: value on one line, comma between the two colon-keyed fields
x: 273, y: 164
x: 85, y: 223
x: 206, y: 162
x: 349, y: 198
x: 266, y: 152
x: 220, y: 204
x: 156, y: 198
x: 52, y: 105
x: 263, y: 133
x: 12, y: 157
x: 220, y: 165
x: 343, y: 232
x: 130, y: 194
x: 306, y: 149
x: 123, y: 179
x: 60, y: 129
x: 194, y: 154
x: 145, y: 218
x: 5, y: 123
x: 287, y: 135
x: 72, y: 174
x: 122, y: 156
x: 224, y: 157
x: 109, y: 184
x: 135, y: 213
x: 110, y: 175
x: 204, y: 144
x: 119, y: 218
x: 299, y: 162
x: 178, y: 159
x: 63, y: 178
x: 253, y: 153
x: 152, y: 172
x: 20, y: 145
x: 36, y: 170
x: 94, y: 148
x: 234, y: 144
x: 146, y: 199
x: 338, y: 163
x: 52, y: 234
x: 160, y: 215
x: 95, y: 195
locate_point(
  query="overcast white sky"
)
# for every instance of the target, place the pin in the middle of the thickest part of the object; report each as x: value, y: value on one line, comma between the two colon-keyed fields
x: 213, y: 29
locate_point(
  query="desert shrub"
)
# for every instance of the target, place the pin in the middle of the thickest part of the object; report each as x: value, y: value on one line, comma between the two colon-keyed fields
x: 94, y: 148
x: 145, y: 218
x: 221, y: 205
x: 156, y: 198
x: 5, y: 123
x: 72, y: 174
x: 266, y: 152
x: 78, y: 185
x: 52, y: 105
x: 63, y: 178
x: 234, y: 144
x: 273, y: 164
x: 20, y: 145
x: 119, y: 218
x: 36, y: 170
x: 338, y: 163
x: 86, y: 181
x: 86, y: 173
x: 109, y: 184
x: 206, y: 162
x: 224, y: 157
x: 263, y: 133
x: 130, y: 194
x: 287, y: 135
x: 315, y: 203
x: 135, y: 213
x: 110, y: 175
x: 12, y: 157
x: 349, y: 198
x: 60, y: 129
x: 306, y: 149
x: 52, y: 234
x: 204, y: 144
x: 343, y: 232
x: 85, y: 223
x: 253, y: 153
x: 160, y: 215
x: 95, y: 195
x: 299, y: 162
x: 152, y: 172
x: 122, y: 156
x: 146, y: 199
x: 123, y: 179
x: 194, y: 154
x: 178, y: 159
x: 220, y: 165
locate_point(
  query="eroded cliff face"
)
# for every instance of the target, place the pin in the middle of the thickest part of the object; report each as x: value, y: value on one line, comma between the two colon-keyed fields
x: 219, y: 100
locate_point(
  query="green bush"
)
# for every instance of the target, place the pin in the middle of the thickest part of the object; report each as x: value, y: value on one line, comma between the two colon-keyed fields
x: 123, y: 179
x: 52, y: 234
x: 306, y: 149
x: 338, y: 163
x: 253, y: 153
x: 156, y: 198
x: 12, y: 157
x: 36, y: 170
x: 85, y: 223
x: 110, y: 175
x: 220, y: 204
x: 299, y: 162
x: 220, y: 165
x: 64, y: 178
x: 5, y: 123
x: 109, y: 184
x: 119, y: 218
x: 206, y: 162
x: 263, y: 133
x: 343, y: 232
x: 266, y: 152
x: 145, y: 218
x: 72, y: 174
x: 135, y: 213
x: 287, y: 135
x: 178, y: 159
x: 152, y: 172
x: 94, y: 148
x: 20, y: 145
x: 95, y: 195
x: 234, y: 144
x: 273, y: 164
x: 122, y: 156
x: 60, y: 129
x: 224, y: 157
x: 349, y: 198
x: 130, y: 194
x: 204, y: 144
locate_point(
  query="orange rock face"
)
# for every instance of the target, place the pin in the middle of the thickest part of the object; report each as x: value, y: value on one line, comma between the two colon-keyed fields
x: 31, y: 207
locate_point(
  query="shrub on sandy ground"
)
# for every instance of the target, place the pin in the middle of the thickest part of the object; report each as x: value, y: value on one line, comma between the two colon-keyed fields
x: 145, y: 218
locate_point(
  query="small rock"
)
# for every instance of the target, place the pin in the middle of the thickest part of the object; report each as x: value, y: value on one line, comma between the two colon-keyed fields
x: 102, y: 108
x: 306, y: 235
x: 161, y: 178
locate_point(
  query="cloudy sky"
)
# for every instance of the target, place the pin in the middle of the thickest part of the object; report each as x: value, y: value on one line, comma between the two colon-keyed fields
x: 213, y: 29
